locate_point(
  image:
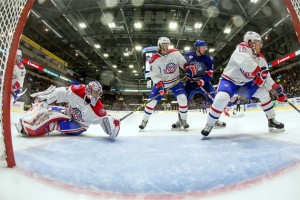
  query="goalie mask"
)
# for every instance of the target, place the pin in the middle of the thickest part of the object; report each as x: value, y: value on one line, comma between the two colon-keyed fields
x: 93, y: 92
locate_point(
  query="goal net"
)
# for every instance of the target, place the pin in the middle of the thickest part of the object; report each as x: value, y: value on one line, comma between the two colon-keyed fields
x: 293, y: 7
x: 13, y: 15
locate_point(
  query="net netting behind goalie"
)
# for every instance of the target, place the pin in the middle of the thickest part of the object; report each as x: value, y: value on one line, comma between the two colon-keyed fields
x: 13, y: 15
x: 293, y: 7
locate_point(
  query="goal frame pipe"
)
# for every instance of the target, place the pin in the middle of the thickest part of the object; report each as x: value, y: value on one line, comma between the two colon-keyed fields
x: 8, y: 74
x: 294, y: 17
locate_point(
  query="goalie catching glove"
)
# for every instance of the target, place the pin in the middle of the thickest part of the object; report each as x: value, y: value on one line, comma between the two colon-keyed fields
x: 48, y: 95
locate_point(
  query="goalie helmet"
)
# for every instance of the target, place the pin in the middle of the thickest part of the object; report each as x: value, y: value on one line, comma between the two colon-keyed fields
x: 163, y: 40
x: 200, y: 43
x: 252, y: 37
x: 93, y: 91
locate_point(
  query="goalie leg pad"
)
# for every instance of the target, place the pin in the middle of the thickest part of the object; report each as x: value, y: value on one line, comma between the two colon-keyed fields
x: 43, y: 123
x: 111, y: 126
x: 71, y: 127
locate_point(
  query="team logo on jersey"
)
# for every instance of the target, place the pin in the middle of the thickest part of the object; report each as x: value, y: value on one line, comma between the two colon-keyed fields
x: 76, y: 114
x: 247, y: 75
x: 170, y: 68
x: 102, y: 112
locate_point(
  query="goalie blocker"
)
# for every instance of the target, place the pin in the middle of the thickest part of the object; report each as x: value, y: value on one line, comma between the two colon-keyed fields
x: 84, y: 108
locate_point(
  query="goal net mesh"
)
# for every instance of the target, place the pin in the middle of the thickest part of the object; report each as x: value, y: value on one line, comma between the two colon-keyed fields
x: 10, y: 13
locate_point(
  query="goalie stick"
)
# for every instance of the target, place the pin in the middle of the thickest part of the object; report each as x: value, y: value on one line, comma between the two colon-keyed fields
x: 20, y: 94
x: 153, y: 98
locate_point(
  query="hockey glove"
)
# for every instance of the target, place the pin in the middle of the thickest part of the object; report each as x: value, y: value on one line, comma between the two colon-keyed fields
x: 281, y: 96
x: 200, y: 83
x: 190, y: 70
x: 261, y: 77
x: 160, y: 87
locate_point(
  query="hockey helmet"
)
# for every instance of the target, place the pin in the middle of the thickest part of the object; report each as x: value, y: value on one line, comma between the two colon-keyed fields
x: 200, y: 43
x: 19, y: 52
x: 163, y: 40
x: 252, y: 37
x: 93, y: 91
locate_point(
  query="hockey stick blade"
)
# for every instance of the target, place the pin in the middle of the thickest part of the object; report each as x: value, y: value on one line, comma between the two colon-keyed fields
x: 20, y: 94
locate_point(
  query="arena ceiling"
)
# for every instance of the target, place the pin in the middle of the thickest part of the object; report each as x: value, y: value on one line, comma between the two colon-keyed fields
x: 72, y: 29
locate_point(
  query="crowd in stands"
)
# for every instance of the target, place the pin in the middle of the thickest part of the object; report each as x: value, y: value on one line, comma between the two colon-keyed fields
x: 289, y: 78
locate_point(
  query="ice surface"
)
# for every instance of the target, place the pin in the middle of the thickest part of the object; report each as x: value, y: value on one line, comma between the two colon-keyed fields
x: 241, y: 161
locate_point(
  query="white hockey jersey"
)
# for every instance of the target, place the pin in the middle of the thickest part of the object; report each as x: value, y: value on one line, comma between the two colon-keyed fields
x: 18, y: 76
x: 166, y: 67
x: 77, y: 108
x: 242, y: 66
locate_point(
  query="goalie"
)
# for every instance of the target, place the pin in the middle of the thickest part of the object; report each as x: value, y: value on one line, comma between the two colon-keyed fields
x: 83, y: 109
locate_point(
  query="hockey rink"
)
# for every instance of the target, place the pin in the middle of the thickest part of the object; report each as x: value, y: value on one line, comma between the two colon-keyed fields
x: 241, y: 161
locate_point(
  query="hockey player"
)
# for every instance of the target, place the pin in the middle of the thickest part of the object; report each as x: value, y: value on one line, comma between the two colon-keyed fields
x: 199, y: 71
x: 18, y: 77
x: 246, y: 75
x: 83, y: 108
x: 164, y: 67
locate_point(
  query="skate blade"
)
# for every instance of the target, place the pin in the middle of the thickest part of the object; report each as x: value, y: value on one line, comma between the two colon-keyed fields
x: 219, y: 127
x: 276, y: 130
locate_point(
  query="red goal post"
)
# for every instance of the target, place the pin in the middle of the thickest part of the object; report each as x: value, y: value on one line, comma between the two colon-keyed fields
x: 293, y: 7
x: 13, y: 15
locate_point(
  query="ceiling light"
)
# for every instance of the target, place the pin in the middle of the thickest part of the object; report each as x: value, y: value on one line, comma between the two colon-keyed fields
x: 105, y: 55
x: 138, y: 25
x: 173, y: 25
x: 198, y: 25
x: 136, y: 74
x: 114, y: 66
x: 97, y: 46
x: 227, y: 30
x: 254, y: 1
x: 130, y: 66
x: 111, y: 25
x: 187, y: 48
x: 82, y: 25
x: 134, y: 71
x: 138, y: 47
x: 126, y: 54
x: 120, y: 71
x: 211, y: 50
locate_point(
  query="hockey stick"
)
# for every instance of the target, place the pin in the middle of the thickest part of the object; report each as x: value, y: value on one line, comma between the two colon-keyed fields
x: 153, y: 98
x: 225, y: 111
x: 293, y: 106
x: 20, y: 94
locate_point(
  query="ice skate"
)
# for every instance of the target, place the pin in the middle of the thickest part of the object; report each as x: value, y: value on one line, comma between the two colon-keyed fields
x: 20, y: 128
x: 275, y: 126
x: 220, y: 124
x: 143, y: 124
x: 176, y: 125
x: 206, y: 130
x: 184, y: 124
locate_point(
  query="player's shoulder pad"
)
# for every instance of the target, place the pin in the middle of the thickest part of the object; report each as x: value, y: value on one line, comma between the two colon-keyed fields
x: 20, y: 65
x: 243, y: 44
x: 173, y: 50
x: 154, y: 57
x: 261, y: 55
x: 79, y: 90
